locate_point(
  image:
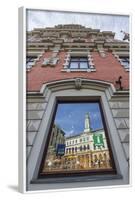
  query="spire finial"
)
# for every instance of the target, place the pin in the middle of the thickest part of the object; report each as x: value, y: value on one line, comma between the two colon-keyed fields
x: 87, y: 128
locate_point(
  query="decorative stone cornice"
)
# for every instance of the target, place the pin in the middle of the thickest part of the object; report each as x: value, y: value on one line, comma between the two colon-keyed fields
x: 79, y: 83
x: 101, y: 50
x: 74, y: 36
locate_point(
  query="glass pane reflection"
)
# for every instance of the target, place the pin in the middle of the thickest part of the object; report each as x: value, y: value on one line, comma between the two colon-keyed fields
x: 77, y: 140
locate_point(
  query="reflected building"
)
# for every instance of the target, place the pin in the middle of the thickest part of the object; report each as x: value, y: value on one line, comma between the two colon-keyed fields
x: 87, y: 150
x: 57, y: 137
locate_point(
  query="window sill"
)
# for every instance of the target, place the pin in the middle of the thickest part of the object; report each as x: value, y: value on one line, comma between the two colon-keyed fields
x: 78, y: 70
x: 48, y: 65
x: 127, y: 69
x: 28, y: 69
x: 72, y: 179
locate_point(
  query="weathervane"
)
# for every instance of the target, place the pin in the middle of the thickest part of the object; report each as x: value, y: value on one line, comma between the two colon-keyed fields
x: 126, y: 35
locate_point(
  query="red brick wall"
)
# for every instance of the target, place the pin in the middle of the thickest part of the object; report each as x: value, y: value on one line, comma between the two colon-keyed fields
x: 107, y: 69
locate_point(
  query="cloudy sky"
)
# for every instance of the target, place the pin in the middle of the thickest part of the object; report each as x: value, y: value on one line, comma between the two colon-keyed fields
x: 70, y: 117
x: 42, y: 19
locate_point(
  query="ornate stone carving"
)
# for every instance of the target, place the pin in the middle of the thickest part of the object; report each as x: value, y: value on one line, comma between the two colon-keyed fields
x: 78, y: 83
x: 101, y: 51
x: 52, y: 61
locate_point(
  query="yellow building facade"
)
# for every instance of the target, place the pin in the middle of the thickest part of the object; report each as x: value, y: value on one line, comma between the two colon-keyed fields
x: 85, y: 151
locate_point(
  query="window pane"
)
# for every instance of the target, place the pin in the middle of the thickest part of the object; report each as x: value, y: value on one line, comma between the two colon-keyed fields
x: 72, y: 122
x: 83, y: 65
x: 30, y: 63
x: 74, y: 65
x: 125, y: 61
x: 84, y: 59
x: 30, y: 59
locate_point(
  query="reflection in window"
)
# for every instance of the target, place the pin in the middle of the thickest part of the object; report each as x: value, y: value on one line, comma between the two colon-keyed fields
x: 80, y: 148
x: 72, y: 122
x: 84, y: 147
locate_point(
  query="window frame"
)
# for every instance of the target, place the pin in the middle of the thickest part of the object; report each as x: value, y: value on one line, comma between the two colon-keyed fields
x: 124, y: 60
x: 71, y: 54
x: 30, y: 61
x: 78, y: 61
x: 85, y: 173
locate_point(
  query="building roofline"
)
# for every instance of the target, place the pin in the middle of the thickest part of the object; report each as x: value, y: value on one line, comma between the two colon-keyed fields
x: 83, y: 133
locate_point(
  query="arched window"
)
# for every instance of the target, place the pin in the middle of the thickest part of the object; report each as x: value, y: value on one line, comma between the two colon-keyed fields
x: 105, y: 156
x: 80, y: 148
x: 100, y: 157
x: 72, y: 149
x: 95, y: 158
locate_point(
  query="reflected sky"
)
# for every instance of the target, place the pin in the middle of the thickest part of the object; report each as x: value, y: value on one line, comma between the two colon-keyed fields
x: 70, y: 117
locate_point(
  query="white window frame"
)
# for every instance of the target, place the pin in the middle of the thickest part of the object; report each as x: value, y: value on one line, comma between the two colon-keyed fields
x: 121, y: 54
x: 78, y: 54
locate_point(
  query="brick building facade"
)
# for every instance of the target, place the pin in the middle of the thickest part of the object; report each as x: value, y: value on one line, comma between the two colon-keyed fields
x: 68, y: 62
x: 105, y: 52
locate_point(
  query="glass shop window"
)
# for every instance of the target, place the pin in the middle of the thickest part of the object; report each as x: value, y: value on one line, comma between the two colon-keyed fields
x: 74, y: 121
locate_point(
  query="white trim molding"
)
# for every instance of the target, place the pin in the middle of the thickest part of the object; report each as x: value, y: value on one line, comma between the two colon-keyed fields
x: 78, y: 53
